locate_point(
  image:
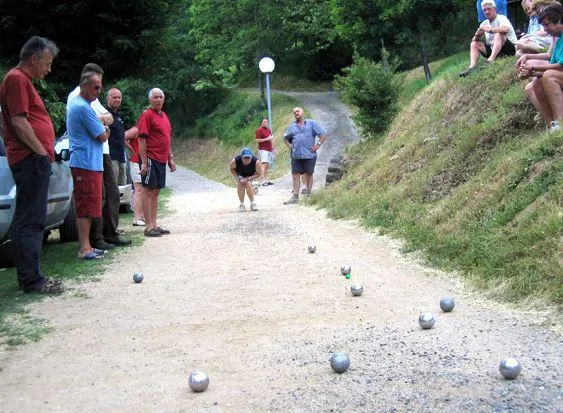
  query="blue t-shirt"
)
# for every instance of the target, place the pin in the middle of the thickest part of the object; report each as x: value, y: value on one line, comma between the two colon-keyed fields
x: 534, y: 25
x: 303, y: 139
x: 501, y: 9
x: 83, y: 127
x: 557, y: 56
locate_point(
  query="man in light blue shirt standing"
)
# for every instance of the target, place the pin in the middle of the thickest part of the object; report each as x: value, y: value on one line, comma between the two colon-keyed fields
x: 86, y: 137
x: 301, y: 140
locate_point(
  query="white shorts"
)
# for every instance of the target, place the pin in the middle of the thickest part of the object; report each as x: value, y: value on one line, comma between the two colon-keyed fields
x: 265, y: 156
x: 135, y: 172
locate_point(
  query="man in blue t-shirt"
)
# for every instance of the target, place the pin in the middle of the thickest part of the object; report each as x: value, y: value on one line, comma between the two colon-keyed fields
x: 86, y: 136
x: 300, y: 138
x: 536, y: 40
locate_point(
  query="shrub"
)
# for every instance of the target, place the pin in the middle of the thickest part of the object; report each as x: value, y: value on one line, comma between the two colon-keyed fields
x: 373, y: 90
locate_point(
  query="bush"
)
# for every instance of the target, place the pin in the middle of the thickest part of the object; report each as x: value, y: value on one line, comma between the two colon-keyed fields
x: 373, y: 90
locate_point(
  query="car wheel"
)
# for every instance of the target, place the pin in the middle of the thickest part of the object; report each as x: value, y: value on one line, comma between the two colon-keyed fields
x: 8, y: 250
x: 68, y: 230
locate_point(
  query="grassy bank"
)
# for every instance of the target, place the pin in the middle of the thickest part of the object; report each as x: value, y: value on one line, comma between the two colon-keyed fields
x: 465, y: 176
x: 210, y: 146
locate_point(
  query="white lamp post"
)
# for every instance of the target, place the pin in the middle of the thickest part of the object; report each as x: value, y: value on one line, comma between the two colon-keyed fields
x: 267, y: 66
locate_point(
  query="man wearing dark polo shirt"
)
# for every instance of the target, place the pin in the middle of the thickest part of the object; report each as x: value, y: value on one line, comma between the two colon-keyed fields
x: 116, y: 136
x: 29, y: 137
x: 154, y: 150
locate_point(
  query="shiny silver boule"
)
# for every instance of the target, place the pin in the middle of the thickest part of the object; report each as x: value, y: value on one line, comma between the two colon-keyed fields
x: 447, y: 304
x: 356, y: 289
x: 339, y: 362
x: 312, y: 249
x: 345, y: 269
x: 426, y: 320
x: 138, y: 277
x: 198, y: 381
x: 510, y: 368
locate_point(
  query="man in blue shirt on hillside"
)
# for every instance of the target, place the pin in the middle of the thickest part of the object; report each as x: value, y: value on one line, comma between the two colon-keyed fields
x: 300, y: 138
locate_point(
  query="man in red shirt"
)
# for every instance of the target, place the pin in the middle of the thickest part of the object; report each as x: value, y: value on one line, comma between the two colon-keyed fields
x: 29, y: 139
x: 264, y: 138
x: 154, y: 150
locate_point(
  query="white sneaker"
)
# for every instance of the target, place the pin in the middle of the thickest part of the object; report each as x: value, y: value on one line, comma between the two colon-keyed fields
x: 241, y: 208
x: 554, y: 126
x: 253, y: 207
x: 139, y: 223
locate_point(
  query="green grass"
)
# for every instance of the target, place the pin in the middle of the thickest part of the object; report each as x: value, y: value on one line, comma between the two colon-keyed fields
x: 464, y: 176
x: 58, y: 260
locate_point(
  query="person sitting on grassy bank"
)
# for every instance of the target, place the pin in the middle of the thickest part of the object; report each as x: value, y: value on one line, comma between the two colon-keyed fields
x: 494, y: 38
x: 547, y: 70
x: 536, y: 40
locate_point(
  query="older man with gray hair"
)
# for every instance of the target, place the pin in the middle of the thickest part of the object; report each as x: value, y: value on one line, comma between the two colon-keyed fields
x: 155, y: 152
x: 29, y: 137
x: 494, y: 38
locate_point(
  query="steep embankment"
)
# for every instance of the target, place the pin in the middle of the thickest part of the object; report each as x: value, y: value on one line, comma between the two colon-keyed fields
x: 466, y: 175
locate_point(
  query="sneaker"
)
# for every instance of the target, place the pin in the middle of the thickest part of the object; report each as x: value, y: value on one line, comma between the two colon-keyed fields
x: 554, y: 126
x: 139, y: 223
x: 152, y: 232
x: 103, y: 245
x: 253, y: 207
x: 293, y: 200
x: 467, y: 71
x: 241, y: 208
x: 49, y: 287
x: 119, y: 240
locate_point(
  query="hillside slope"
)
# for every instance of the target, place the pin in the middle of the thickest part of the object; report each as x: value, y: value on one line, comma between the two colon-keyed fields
x: 465, y: 175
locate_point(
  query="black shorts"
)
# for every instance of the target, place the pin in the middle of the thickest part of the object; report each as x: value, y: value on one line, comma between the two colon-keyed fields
x: 156, y: 175
x: 303, y: 166
x: 508, y: 49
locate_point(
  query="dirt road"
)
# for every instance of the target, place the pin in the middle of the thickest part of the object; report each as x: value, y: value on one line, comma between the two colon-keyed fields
x: 238, y: 296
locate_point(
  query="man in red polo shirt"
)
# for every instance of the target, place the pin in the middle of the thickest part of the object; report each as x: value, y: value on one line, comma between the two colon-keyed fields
x: 154, y: 151
x: 29, y: 137
x: 264, y: 138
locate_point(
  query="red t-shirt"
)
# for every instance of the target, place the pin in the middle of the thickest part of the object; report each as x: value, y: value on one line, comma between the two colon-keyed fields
x: 135, y: 156
x: 18, y: 96
x: 156, y: 129
x: 263, y: 133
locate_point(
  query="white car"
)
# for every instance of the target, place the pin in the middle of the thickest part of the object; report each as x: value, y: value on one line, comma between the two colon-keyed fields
x: 60, y: 204
x: 125, y: 191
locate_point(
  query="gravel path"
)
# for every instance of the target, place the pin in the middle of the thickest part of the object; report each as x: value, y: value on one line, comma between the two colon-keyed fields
x: 238, y: 295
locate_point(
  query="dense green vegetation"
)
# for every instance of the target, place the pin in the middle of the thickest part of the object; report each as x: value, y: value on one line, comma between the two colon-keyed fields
x: 193, y: 49
x: 464, y: 175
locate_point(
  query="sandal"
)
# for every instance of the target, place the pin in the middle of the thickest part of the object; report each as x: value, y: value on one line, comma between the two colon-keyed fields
x: 163, y: 231
x: 98, y: 251
x: 90, y: 256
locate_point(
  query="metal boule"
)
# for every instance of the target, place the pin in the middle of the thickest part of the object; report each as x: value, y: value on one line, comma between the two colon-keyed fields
x: 345, y: 269
x: 356, y: 289
x: 138, y: 277
x: 510, y: 368
x: 198, y: 381
x: 426, y: 320
x: 312, y: 248
x: 447, y: 304
x: 339, y: 362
